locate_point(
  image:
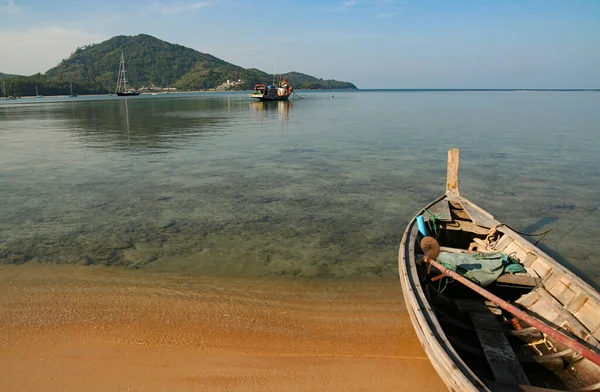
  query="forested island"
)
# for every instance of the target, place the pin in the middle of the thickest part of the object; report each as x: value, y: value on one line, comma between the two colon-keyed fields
x: 152, y: 63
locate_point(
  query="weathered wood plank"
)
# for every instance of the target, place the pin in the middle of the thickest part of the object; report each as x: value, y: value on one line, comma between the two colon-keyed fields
x: 527, y: 334
x: 515, y: 250
x: 589, y: 316
x: 475, y: 306
x: 578, y: 302
x: 478, y: 216
x: 504, y: 242
x: 576, y: 326
x: 466, y: 226
x: 452, y: 176
x: 529, y: 260
x: 500, y: 355
x: 518, y: 280
x: 528, y: 299
x: 457, y: 250
x: 441, y: 210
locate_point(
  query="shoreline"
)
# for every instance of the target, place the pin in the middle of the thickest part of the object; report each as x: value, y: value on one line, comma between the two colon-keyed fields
x: 66, y: 327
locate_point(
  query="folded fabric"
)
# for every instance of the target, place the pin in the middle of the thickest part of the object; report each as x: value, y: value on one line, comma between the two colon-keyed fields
x: 482, y: 268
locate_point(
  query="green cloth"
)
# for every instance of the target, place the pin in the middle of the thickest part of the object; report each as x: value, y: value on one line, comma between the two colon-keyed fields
x: 482, y: 268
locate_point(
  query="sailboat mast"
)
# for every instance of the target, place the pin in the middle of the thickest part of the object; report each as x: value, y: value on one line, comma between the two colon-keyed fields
x: 121, y: 80
x: 123, y: 70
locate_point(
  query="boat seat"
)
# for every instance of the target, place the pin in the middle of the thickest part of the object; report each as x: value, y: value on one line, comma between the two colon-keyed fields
x: 511, y: 280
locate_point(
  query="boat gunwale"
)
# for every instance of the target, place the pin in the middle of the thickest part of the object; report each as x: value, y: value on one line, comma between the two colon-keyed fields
x: 449, y: 365
x: 582, y: 285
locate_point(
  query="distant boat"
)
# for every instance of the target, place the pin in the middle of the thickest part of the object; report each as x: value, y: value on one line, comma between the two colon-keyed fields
x: 273, y: 93
x: 37, y: 95
x: 121, y: 88
x: 4, y: 92
x: 72, y: 95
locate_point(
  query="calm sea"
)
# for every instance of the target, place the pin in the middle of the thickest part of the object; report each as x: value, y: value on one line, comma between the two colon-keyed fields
x: 213, y: 183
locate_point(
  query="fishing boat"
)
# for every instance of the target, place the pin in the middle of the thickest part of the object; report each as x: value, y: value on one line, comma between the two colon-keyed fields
x: 281, y: 92
x: 121, y: 87
x: 492, y: 311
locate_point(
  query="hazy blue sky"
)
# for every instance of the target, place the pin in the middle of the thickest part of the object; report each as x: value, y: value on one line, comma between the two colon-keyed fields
x: 372, y: 43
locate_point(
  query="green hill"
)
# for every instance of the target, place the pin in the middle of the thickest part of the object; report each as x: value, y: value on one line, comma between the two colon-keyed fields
x: 150, y: 61
x: 4, y: 76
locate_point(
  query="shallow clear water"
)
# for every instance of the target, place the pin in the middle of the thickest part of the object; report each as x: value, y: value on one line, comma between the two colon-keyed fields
x: 216, y: 184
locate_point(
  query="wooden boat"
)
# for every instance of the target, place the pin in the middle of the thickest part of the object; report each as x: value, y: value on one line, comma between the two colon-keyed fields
x: 471, y: 334
x: 273, y: 93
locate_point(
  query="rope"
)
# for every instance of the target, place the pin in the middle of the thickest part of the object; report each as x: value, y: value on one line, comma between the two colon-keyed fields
x: 432, y: 221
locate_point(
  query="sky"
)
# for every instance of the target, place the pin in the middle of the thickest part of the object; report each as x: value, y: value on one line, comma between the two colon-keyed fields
x: 371, y: 43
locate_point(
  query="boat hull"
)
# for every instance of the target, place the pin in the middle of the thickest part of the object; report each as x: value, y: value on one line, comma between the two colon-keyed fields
x: 451, y: 337
x: 128, y: 94
x: 264, y: 98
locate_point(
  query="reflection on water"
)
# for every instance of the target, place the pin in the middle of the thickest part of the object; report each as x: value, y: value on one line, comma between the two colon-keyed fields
x: 273, y: 109
x: 210, y: 184
x: 156, y: 126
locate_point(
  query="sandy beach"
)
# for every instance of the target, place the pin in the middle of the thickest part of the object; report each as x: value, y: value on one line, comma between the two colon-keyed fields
x: 74, y: 328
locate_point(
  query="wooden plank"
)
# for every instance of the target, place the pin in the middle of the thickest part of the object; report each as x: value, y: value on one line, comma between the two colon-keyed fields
x: 551, y: 279
x: 529, y: 260
x: 466, y: 226
x: 441, y: 210
x: 577, y: 303
x: 452, y: 176
x: 459, y: 212
x: 478, y: 216
x: 589, y: 316
x: 528, y: 300
x: 529, y: 333
x: 457, y: 250
x: 562, y: 292
x: 518, y: 280
x: 504, y: 242
x: 576, y: 326
x: 541, y: 267
x: 500, y: 355
x: 474, y: 306
x: 515, y: 251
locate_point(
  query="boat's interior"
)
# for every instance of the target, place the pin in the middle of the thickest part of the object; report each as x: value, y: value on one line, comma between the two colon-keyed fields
x: 503, y: 351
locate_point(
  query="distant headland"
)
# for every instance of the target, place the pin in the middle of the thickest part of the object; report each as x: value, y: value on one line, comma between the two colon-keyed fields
x: 152, y: 65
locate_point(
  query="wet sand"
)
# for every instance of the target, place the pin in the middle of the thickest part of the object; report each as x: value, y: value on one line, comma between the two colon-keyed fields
x: 74, y: 328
